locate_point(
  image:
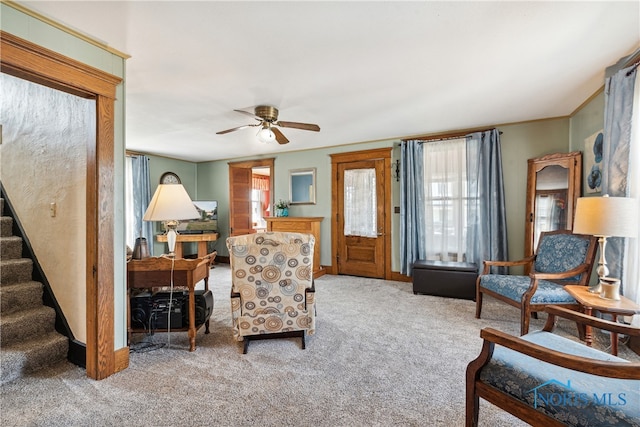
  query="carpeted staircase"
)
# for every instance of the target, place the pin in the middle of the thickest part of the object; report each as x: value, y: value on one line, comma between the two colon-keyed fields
x: 28, y: 340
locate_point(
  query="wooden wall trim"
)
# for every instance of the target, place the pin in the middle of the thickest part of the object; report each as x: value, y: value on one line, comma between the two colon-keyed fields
x: 28, y: 61
x: 54, y: 70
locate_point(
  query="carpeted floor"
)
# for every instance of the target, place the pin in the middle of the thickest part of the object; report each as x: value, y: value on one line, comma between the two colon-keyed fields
x: 381, y: 356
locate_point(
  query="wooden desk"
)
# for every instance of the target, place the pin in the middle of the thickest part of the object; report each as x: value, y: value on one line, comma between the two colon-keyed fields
x: 590, y: 302
x: 201, y: 239
x: 155, y: 272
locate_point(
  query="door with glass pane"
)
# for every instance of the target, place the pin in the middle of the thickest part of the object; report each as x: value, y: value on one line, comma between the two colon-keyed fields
x: 361, y: 229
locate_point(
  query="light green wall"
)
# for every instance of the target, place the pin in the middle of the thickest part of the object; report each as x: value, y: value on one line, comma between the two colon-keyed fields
x: 585, y: 122
x: 213, y: 183
x: 519, y: 143
x: 49, y: 36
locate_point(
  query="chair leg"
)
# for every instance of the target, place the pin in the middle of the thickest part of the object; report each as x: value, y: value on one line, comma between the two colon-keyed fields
x: 303, y: 342
x: 245, y: 345
x: 524, y: 321
x: 478, y: 303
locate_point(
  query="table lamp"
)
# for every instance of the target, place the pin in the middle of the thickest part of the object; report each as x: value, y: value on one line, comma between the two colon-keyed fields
x: 169, y: 204
x: 606, y: 217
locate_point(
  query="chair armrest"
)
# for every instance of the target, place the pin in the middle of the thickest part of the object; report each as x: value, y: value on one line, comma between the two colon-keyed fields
x: 489, y: 263
x: 584, y: 319
x: 622, y: 370
x: 562, y: 275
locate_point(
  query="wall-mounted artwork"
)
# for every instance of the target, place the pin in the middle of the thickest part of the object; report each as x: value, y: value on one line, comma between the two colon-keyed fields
x: 593, y: 162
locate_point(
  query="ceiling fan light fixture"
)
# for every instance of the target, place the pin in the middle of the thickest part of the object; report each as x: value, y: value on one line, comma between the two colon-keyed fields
x: 266, y: 135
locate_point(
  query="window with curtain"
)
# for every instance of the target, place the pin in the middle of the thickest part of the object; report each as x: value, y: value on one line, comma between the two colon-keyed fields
x: 259, y: 200
x: 130, y: 220
x: 137, y: 198
x: 360, y: 213
x: 446, y: 201
x: 452, y: 200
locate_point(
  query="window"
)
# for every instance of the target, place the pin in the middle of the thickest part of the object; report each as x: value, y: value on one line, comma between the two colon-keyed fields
x: 360, y: 205
x: 260, y: 197
x: 130, y: 218
x: 446, y: 200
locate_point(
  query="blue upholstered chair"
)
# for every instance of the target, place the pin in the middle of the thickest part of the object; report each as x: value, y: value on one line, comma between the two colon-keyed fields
x: 550, y: 380
x: 562, y: 258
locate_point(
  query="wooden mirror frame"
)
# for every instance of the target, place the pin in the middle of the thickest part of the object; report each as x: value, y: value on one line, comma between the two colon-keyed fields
x: 570, y: 161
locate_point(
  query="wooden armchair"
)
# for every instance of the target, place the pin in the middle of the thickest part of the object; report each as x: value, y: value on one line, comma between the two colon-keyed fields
x: 548, y: 380
x: 562, y: 258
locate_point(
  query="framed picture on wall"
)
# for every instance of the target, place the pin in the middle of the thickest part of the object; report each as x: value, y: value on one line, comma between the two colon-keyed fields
x: 593, y: 162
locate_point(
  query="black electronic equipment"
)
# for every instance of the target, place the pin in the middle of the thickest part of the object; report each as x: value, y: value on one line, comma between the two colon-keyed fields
x: 167, y: 309
x: 140, y: 304
x: 204, y: 307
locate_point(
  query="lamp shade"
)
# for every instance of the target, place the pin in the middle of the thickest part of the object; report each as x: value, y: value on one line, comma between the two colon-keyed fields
x: 170, y: 203
x: 606, y: 216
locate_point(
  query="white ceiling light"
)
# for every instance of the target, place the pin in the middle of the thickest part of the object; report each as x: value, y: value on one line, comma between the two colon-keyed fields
x: 266, y: 135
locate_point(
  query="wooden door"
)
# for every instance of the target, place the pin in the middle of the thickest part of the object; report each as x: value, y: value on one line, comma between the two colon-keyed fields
x: 239, y: 201
x: 359, y: 255
x: 240, y: 186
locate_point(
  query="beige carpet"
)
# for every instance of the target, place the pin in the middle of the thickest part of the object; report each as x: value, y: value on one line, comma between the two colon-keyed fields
x: 381, y: 356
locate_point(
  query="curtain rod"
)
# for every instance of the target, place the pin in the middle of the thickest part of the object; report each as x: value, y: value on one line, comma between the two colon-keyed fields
x: 445, y: 137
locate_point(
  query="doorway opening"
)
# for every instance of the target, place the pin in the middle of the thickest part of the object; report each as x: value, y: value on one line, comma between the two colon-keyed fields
x: 250, y: 195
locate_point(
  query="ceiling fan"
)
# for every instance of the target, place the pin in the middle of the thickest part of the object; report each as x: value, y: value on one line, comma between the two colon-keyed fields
x: 267, y: 120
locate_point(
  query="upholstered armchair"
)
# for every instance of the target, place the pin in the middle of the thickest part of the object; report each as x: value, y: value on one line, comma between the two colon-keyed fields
x: 272, y: 291
x: 562, y: 258
x: 547, y: 379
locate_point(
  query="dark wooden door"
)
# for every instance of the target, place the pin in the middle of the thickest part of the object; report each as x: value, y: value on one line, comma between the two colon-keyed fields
x: 359, y: 255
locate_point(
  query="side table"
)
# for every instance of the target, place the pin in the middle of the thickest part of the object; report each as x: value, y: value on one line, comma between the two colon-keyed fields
x: 589, y: 302
x: 157, y: 272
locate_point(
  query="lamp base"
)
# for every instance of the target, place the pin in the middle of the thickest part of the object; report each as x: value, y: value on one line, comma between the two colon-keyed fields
x: 610, y: 288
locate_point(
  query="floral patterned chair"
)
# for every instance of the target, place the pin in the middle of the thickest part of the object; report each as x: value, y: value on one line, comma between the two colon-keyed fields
x: 562, y: 258
x: 272, y: 290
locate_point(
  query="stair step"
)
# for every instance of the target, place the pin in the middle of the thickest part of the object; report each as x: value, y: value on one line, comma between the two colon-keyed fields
x: 30, y: 356
x: 20, y: 296
x: 6, y: 226
x: 26, y: 324
x: 10, y: 247
x: 15, y: 271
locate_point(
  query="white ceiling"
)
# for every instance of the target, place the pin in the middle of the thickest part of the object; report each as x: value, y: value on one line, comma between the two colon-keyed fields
x: 363, y: 71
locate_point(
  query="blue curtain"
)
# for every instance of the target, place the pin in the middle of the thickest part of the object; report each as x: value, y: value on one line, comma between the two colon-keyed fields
x: 486, y: 214
x: 141, y: 198
x: 412, y: 226
x: 618, y: 112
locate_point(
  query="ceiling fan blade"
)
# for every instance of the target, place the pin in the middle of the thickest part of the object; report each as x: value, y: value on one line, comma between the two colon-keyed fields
x: 280, y: 136
x: 296, y: 125
x: 222, y: 132
x: 249, y: 114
